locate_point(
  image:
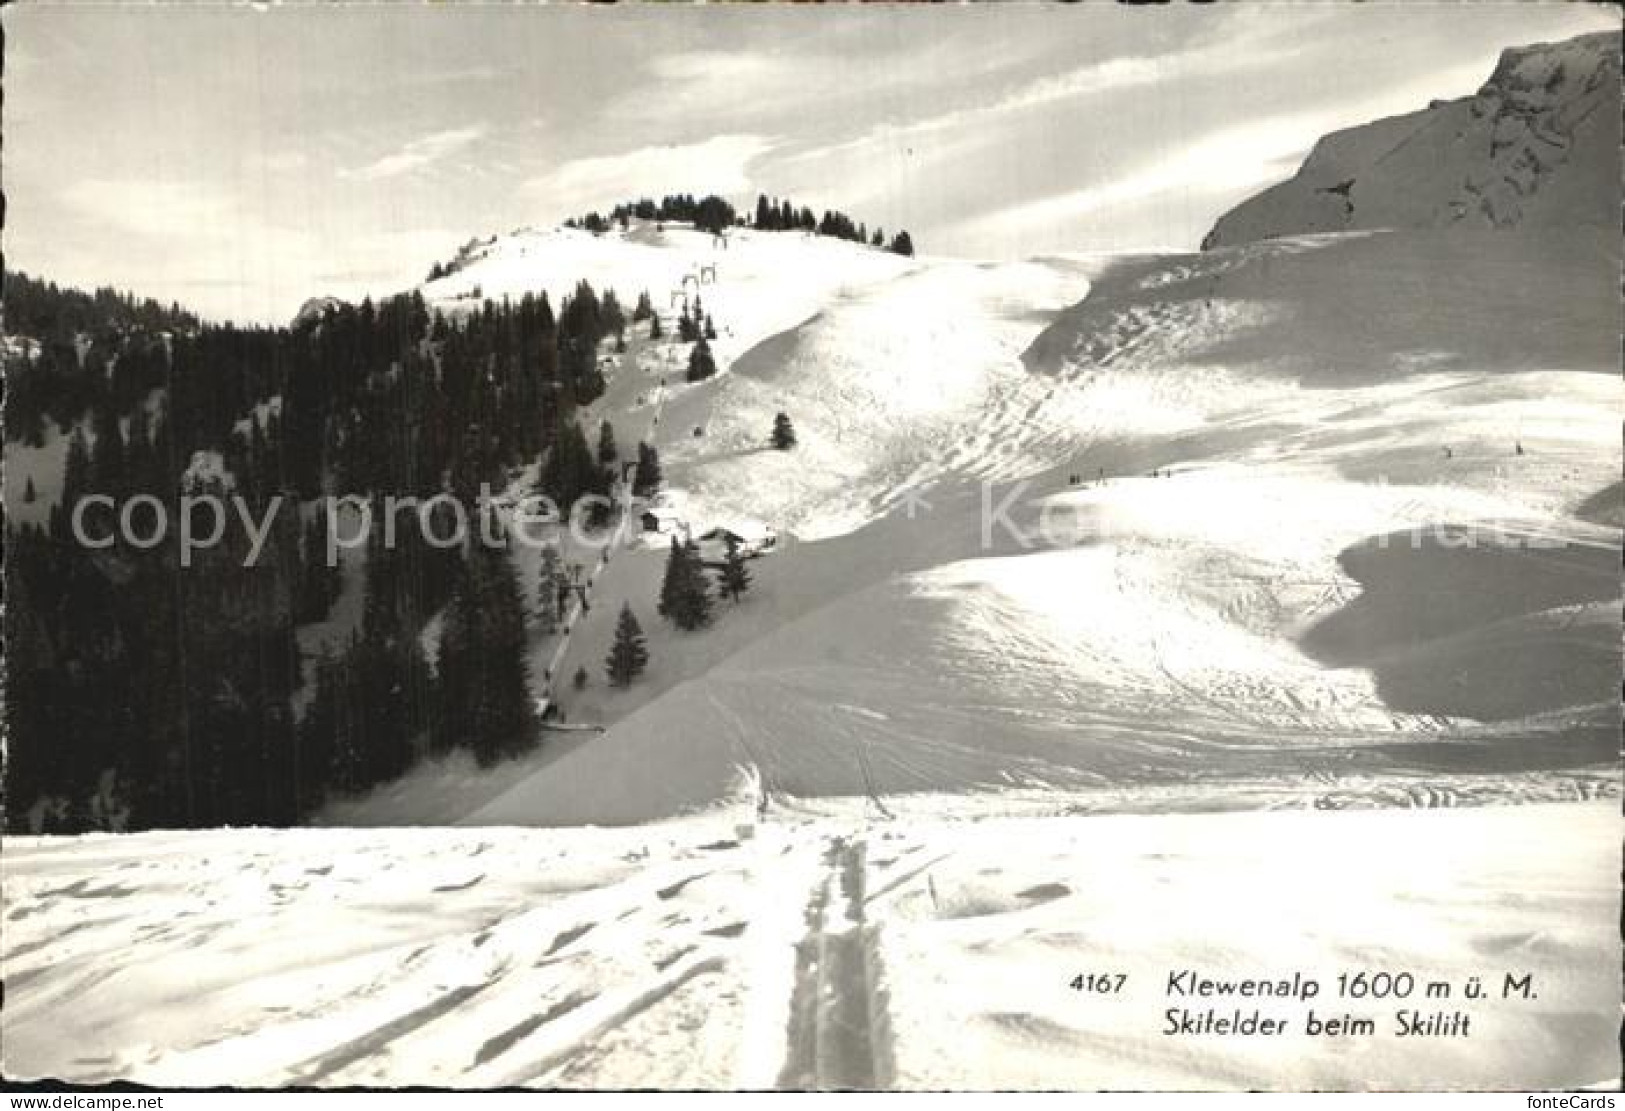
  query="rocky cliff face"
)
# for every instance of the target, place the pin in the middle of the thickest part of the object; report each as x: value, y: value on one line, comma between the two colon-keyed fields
x: 312, y: 311
x: 1538, y: 145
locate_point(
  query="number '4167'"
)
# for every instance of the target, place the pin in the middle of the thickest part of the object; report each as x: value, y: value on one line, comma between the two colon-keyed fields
x: 1102, y: 983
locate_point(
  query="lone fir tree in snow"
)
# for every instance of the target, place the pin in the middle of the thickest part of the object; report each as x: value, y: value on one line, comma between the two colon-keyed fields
x: 701, y: 364
x: 734, y: 578
x: 646, y: 478
x: 612, y: 316
x: 685, y: 592
x: 784, y: 433
x: 607, y: 451
x: 28, y: 491
x: 654, y: 325
x: 628, y: 656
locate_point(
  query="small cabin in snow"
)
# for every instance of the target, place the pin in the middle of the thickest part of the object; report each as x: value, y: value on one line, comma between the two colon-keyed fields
x: 662, y: 518
x: 753, y: 537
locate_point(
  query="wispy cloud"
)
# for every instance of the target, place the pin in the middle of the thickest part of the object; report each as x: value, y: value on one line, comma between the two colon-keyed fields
x: 417, y: 154
x: 719, y: 165
x: 716, y: 67
x: 752, y: 88
x: 1200, y: 178
x: 1233, y: 159
x: 1110, y: 76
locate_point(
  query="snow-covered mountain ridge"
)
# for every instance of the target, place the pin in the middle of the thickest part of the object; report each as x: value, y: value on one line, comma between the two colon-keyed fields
x: 1537, y: 145
x: 754, y: 284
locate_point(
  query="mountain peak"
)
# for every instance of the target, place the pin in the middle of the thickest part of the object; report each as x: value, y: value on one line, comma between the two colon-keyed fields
x: 1537, y: 145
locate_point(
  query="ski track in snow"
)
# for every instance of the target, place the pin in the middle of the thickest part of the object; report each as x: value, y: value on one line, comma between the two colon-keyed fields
x: 832, y: 1034
x: 797, y: 952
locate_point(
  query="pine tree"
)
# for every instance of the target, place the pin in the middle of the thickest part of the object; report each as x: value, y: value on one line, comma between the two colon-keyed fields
x: 317, y: 732
x: 647, y: 478
x: 580, y: 680
x: 644, y: 309
x: 484, y: 692
x: 387, y: 688
x: 107, y: 462
x: 323, y: 581
x: 694, y: 610
x: 572, y: 471
x: 547, y: 592
x: 28, y: 491
x: 607, y: 452
x: 710, y: 327
x: 784, y: 433
x: 734, y: 578
x: 387, y: 670
x: 685, y: 592
x: 654, y: 326
x: 902, y: 245
x: 76, y: 471
x: 628, y: 656
x: 671, y: 584
x: 509, y: 710
x: 347, y: 760
x: 611, y: 316
x: 701, y: 364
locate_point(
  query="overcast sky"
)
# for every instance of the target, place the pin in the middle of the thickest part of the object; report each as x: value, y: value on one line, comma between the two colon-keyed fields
x: 241, y: 160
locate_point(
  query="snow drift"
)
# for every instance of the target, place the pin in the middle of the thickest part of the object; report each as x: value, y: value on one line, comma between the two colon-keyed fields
x: 931, y: 954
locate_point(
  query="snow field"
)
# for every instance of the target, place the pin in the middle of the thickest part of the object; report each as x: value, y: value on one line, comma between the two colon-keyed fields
x: 724, y: 951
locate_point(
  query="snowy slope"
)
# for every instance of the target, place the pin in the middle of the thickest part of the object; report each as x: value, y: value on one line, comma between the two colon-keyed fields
x: 43, y: 466
x: 1347, y: 310
x: 1324, y: 524
x: 1538, y: 145
x: 879, y: 384
x: 763, y: 282
x: 829, y: 952
x: 1217, y: 624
